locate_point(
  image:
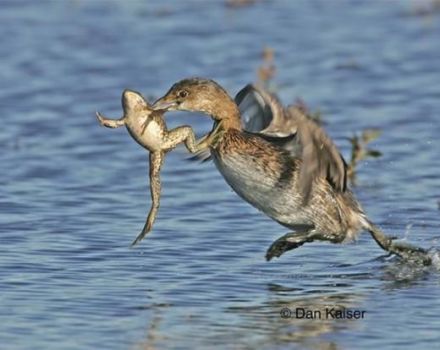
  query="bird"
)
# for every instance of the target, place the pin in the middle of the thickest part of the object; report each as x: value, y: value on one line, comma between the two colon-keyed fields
x: 285, y: 166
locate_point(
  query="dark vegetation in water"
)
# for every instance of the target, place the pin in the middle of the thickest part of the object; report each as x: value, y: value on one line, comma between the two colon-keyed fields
x: 239, y: 3
x: 360, y: 151
x: 424, y: 8
x: 267, y: 70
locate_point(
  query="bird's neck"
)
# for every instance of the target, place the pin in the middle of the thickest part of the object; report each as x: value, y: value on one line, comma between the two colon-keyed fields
x: 227, y: 112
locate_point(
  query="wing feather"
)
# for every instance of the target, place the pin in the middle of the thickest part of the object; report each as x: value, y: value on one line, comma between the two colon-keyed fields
x: 292, y: 130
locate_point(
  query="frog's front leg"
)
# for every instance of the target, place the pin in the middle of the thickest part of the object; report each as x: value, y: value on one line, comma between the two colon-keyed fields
x: 156, y: 161
x: 210, y: 139
x: 110, y: 123
x: 178, y: 135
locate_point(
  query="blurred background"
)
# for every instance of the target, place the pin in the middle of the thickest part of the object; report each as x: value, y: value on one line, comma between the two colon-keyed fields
x: 74, y: 195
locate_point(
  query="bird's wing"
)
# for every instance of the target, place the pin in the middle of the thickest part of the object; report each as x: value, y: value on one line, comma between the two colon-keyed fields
x: 293, y: 131
x: 258, y: 108
x: 320, y: 156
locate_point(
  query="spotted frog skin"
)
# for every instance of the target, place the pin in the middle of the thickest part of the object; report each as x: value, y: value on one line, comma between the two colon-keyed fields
x: 149, y: 129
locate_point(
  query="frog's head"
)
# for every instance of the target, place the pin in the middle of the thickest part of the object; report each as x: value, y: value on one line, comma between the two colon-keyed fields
x: 133, y: 102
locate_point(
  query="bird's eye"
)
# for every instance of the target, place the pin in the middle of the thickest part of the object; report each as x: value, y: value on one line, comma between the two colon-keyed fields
x: 182, y: 93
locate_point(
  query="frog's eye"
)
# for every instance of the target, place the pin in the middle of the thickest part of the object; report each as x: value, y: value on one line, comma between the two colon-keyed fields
x: 182, y: 93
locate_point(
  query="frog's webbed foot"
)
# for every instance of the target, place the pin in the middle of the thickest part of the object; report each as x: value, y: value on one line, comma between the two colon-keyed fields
x: 201, y: 150
x: 147, y: 228
x: 140, y: 237
x: 216, y: 134
x: 202, y: 156
x: 202, y: 144
x: 110, y: 123
x: 156, y: 161
x: 288, y: 242
x: 210, y: 140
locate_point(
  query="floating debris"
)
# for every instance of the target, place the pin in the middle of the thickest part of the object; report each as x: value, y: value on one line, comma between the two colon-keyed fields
x: 239, y: 3
x: 424, y: 8
x: 267, y: 70
x: 163, y: 11
x: 349, y: 65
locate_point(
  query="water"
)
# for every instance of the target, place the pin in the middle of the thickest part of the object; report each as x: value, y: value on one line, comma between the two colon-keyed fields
x: 74, y: 195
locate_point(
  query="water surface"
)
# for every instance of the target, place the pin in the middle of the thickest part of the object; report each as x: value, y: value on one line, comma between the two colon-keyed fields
x: 74, y: 195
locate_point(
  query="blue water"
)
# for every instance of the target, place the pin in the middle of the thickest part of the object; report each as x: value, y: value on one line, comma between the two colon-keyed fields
x: 75, y: 195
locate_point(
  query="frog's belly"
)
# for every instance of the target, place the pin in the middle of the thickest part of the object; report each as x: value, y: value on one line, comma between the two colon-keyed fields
x: 261, y: 189
x: 150, y: 138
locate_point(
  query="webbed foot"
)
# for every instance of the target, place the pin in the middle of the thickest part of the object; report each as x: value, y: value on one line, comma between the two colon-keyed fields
x: 287, y: 242
x: 411, y: 253
x: 404, y: 250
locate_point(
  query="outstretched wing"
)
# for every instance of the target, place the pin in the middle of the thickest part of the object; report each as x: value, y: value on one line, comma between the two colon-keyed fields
x: 293, y: 131
x: 320, y: 156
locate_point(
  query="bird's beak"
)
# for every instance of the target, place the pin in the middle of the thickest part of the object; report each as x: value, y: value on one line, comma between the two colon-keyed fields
x: 163, y: 105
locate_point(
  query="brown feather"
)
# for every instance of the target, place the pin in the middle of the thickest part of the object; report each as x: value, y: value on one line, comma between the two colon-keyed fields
x: 292, y: 130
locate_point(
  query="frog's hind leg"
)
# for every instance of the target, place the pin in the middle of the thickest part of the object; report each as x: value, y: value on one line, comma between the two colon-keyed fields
x: 156, y: 161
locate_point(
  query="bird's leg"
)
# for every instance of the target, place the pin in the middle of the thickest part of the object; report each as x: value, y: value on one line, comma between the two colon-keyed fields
x: 110, y: 123
x: 288, y: 242
x: 156, y: 161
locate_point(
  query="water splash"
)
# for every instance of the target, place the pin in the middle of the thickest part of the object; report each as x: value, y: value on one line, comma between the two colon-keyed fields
x: 434, y: 254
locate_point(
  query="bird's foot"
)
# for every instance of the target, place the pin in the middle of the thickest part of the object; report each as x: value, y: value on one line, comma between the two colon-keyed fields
x: 285, y: 243
x: 411, y: 253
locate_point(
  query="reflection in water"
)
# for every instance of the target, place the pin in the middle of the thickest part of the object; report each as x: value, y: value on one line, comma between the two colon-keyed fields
x: 314, y: 317
x: 153, y: 335
x: 284, y: 321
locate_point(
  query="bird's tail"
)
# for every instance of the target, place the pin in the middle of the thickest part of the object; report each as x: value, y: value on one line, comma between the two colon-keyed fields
x: 406, y: 251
